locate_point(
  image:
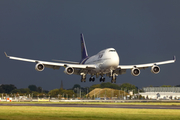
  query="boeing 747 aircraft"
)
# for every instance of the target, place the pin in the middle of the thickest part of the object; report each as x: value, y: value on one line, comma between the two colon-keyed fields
x: 106, y: 62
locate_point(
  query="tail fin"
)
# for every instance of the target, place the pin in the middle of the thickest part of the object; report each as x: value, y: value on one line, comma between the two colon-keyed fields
x: 84, y: 53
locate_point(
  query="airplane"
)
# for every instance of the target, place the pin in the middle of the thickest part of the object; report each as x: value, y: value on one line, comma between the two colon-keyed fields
x: 106, y: 62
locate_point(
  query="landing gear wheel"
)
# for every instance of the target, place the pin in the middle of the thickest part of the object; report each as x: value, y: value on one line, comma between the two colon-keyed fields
x: 102, y: 79
x: 91, y: 79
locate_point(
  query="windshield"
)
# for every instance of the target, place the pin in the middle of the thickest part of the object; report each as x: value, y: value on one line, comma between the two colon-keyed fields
x: 112, y: 50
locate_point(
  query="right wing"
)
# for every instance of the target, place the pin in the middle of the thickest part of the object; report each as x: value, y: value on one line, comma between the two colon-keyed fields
x: 143, y: 66
x: 135, y: 69
x: 53, y: 65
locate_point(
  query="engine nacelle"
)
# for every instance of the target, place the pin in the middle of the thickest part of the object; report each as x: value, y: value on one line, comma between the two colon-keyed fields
x: 155, y: 69
x: 69, y: 70
x: 39, y: 67
x: 135, y: 71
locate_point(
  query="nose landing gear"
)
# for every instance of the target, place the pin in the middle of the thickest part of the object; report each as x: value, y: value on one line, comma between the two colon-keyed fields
x: 83, y: 78
x: 113, y: 78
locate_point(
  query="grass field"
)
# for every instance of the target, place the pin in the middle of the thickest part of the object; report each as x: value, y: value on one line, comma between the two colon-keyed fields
x: 47, y: 113
x: 135, y: 103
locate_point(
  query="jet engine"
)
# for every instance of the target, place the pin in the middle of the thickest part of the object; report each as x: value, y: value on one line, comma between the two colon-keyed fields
x: 69, y: 70
x: 155, y: 69
x: 39, y: 67
x: 135, y: 71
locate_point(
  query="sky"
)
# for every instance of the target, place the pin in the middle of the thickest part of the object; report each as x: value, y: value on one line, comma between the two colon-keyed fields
x: 141, y: 31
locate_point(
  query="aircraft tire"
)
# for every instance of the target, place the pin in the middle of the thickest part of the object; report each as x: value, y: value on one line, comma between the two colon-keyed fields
x: 103, y: 80
x: 93, y: 79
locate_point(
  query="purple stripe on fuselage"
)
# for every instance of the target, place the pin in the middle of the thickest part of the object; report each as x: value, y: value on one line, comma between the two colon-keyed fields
x: 84, y: 60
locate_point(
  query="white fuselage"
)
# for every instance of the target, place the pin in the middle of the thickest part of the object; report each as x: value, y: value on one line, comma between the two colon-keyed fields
x: 105, y: 60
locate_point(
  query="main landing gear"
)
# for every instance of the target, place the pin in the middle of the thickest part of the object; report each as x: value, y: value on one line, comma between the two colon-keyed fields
x: 91, y: 79
x: 102, y: 79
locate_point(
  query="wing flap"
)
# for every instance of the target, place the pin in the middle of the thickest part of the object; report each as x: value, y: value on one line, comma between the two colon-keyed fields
x: 63, y: 61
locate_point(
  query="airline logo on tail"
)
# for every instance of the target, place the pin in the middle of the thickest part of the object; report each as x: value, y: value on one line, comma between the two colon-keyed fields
x: 84, y: 53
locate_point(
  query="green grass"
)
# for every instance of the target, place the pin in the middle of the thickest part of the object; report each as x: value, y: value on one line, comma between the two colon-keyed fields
x: 70, y: 113
x: 135, y: 103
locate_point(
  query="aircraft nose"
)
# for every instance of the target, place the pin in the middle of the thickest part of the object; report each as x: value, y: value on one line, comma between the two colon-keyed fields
x: 115, y: 60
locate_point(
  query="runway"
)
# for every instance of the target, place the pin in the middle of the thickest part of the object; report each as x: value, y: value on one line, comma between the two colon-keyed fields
x: 100, y: 106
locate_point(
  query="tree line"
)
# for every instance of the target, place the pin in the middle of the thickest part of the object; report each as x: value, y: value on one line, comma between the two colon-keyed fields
x: 75, y: 91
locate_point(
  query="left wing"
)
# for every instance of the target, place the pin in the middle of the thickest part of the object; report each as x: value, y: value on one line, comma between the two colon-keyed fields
x: 142, y: 66
x: 53, y: 65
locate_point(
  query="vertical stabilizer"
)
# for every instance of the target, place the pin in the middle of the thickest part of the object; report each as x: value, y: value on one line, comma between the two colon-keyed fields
x: 84, y: 53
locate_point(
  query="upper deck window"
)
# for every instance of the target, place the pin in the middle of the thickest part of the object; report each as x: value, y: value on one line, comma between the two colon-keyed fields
x: 112, y: 50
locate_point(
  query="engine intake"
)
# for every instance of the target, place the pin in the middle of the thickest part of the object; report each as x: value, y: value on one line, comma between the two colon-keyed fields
x: 69, y: 70
x: 39, y: 67
x: 135, y: 71
x: 155, y: 69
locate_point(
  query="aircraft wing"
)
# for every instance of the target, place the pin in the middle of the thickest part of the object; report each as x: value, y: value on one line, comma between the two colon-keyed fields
x: 143, y: 66
x: 53, y: 65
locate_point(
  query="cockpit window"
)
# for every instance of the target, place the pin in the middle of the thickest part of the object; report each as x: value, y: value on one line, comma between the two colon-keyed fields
x: 112, y: 50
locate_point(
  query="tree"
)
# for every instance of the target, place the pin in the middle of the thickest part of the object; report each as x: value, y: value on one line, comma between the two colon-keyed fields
x: 34, y: 94
x: 128, y: 86
x: 76, y: 86
x: 69, y: 93
x: 1, y: 90
x: 16, y: 91
x: 54, y: 92
x: 25, y: 90
x: 32, y: 87
x: 166, y: 86
x: 7, y: 88
x: 39, y: 89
